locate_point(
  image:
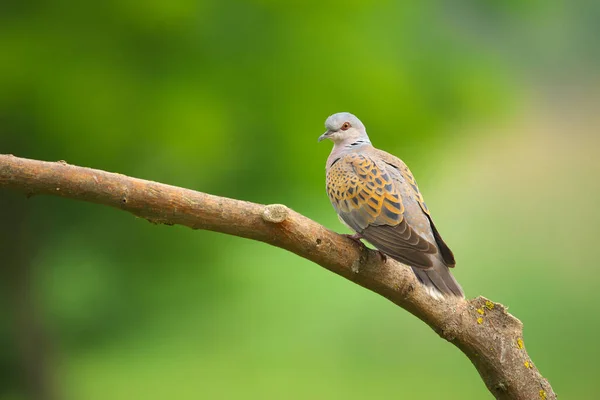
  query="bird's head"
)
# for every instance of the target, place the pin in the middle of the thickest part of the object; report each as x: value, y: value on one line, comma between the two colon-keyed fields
x: 344, y: 128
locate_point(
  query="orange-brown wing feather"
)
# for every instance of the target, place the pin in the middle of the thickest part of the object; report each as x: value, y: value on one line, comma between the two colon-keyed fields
x: 367, y: 198
x: 362, y: 193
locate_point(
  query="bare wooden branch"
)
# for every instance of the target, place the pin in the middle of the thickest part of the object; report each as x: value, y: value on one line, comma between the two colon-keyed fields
x: 482, y: 329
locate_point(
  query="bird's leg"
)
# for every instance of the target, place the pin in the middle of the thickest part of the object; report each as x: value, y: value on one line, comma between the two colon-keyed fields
x: 356, y: 237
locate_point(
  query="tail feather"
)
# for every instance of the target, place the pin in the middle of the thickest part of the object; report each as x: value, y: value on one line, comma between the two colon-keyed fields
x: 439, y: 281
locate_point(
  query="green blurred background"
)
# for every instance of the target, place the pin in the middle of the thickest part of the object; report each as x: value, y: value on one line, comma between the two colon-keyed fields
x: 494, y: 105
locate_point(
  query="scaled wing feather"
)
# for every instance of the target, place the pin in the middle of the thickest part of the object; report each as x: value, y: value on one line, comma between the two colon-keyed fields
x: 367, y: 198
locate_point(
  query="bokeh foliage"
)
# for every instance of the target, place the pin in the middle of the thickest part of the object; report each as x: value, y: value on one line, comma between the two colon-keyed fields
x: 228, y: 97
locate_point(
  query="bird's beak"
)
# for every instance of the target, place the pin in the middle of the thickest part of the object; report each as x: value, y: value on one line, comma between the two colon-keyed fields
x: 325, y: 135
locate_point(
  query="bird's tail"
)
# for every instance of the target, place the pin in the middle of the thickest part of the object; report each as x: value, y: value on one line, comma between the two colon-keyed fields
x: 439, y: 281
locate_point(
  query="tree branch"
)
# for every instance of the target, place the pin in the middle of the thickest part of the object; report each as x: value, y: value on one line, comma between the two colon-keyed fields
x: 483, y: 330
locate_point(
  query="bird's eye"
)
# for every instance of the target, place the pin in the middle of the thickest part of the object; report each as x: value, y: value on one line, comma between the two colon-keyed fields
x: 346, y: 126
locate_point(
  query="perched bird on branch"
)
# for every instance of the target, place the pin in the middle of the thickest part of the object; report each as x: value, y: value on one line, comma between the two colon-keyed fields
x: 376, y: 195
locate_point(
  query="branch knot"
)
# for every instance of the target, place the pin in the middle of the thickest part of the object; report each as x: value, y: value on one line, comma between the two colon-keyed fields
x: 275, y: 213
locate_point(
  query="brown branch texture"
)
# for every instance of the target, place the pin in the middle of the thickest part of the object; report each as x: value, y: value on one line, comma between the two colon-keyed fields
x: 482, y: 329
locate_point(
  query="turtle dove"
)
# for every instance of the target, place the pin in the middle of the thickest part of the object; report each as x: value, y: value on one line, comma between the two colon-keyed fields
x: 376, y: 195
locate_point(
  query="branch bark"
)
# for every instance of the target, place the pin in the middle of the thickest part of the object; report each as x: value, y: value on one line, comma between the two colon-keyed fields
x: 482, y: 329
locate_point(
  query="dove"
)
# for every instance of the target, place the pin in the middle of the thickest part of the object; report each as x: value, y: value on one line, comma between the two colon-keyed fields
x: 375, y: 194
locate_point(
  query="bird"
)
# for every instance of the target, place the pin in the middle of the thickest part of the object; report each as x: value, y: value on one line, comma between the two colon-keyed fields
x: 375, y: 194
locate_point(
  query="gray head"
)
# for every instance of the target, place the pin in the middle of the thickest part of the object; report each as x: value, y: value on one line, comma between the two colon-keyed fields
x: 344, y: 129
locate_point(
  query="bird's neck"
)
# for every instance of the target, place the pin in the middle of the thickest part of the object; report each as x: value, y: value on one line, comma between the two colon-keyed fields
x: 341, y: 149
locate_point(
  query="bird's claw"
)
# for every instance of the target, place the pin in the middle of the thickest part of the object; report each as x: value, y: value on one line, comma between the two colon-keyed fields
x: 356, y: 237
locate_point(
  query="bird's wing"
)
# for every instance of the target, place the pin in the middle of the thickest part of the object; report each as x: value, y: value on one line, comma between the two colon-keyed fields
x: 396, y: 163
x: 367, y: 197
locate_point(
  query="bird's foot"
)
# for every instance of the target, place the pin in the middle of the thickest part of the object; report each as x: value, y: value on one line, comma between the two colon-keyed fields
x: 383, y: 256
x: 356, y: 237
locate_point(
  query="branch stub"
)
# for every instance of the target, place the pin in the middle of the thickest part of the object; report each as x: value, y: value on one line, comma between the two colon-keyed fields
x: 275, y: 213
